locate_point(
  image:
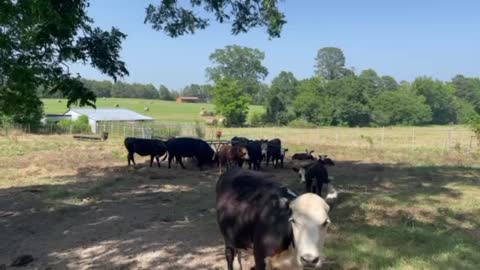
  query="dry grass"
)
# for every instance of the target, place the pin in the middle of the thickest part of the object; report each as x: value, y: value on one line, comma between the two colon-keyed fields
x: 75, y: 205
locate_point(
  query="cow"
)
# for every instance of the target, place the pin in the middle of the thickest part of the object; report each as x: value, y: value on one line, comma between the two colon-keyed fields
x: 315, y: 174
x: 275, y: 152
x: 303, y: 156
x: 256, y: 151
x: 242, y: 141
x: 190, y: 147
x: 231, y: 155
x: 144, y: 147
x: 286, y: 231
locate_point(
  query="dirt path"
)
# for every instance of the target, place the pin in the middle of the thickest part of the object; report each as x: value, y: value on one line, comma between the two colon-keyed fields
x: 115, y: 217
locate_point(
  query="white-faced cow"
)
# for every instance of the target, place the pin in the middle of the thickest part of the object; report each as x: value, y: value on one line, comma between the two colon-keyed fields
x: 285, y: 231
x: 145, y: 147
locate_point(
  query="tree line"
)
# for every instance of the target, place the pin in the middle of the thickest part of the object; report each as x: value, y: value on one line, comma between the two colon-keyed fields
x: 336, y: 95
x: 120, y: 89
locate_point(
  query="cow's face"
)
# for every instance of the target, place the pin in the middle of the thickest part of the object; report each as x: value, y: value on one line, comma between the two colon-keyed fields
x: 309, y: 225
x: 243, y: 153
x: 301, y: 173
x: 283, y: 151
x: 264, y: 147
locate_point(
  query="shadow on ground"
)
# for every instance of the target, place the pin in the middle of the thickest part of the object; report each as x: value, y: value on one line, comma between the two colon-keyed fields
x: 151, y: 218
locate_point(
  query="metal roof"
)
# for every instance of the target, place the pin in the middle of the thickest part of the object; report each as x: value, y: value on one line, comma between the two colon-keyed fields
x: 111, y: 114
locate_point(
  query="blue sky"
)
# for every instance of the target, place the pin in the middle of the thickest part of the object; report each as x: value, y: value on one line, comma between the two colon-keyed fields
x: 404, y: 39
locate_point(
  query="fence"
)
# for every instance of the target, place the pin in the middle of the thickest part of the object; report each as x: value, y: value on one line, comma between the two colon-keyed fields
x: 444, y: 138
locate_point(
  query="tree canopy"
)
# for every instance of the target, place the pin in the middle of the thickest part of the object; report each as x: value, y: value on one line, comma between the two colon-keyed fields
x: 330, y: 64
x: 38, y: 39
x: 230, y: 102
x: 176, y: 19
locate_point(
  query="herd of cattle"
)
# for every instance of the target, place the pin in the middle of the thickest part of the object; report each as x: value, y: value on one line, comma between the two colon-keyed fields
x: 285, y: 230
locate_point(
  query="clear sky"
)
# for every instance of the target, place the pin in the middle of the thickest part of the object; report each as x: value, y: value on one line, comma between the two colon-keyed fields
x: 403, y: 38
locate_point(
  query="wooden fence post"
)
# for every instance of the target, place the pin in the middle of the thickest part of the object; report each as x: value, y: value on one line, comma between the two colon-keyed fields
x: 383, y: 135
x: 413, y: 138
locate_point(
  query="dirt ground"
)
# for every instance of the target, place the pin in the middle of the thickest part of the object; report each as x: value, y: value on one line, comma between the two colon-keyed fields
x: 125, y: 218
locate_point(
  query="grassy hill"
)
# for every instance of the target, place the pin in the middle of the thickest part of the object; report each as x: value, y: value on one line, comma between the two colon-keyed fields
x: 158, y: 109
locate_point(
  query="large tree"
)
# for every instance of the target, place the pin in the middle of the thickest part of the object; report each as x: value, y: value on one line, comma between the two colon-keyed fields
x: 176, y: 19
x: 231, y: 102
x: 280, y: 97
x: 330, y: 64
x: 38, y: 40
x: 240, y: 64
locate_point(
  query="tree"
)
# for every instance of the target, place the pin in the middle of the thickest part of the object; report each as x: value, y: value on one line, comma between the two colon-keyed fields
x: 468, y: 89
x: 312, y: 103
x: 240, y: 64
x: 371, y: 83
x: 389, y: 83
x: 280, y: 97
x: 237, y: 63
x: 330, y: 64
x: 38, y: 39
x: 230, y: 102
x: 400, y: 107
x: 176, y: 20
x: 164, y: 93
x: 440, y: 98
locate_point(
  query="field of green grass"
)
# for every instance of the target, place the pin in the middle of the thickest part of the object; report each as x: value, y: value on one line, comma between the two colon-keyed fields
x: 158, y: 109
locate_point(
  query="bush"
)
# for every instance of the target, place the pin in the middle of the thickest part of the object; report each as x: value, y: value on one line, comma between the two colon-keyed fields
x: 199, y: 130
x: 79, y: 126
x: 474, y: 124
x: 258, y: 119
x: 301, y: 123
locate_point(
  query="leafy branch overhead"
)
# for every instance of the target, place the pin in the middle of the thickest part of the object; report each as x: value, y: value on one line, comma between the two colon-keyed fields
x: 38, y: 41
x: 177, y: 20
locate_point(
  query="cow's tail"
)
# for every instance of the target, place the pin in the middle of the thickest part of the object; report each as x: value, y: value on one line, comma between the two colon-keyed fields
x: 165, y: 156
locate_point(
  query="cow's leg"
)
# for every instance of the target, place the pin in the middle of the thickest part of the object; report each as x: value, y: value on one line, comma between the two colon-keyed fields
x: 151, y: 160
x: 128, y: 158
x: 281, y: 162
x: 239, y: 258
x: 319, y: 188
x: 158, y: 161
x: 259, y: 255
x: 308, y: 185
x: 170, y: 157
x: 230, y: 256
x: 179, y: 159
x: 268, y: 159
x: 131, y: 157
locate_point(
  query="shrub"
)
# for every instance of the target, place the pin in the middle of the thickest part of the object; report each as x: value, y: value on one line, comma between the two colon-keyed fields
x: 199, y: 130
x: 301, y: 123
x: 79, y: 126
x: 258, y: 119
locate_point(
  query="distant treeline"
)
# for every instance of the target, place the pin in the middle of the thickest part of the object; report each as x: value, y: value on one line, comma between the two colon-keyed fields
x: 137, y: 90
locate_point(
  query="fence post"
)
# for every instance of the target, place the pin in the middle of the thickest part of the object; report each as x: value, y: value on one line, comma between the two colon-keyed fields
x: 449, y: 138
x: 71, y: 129
x: 336, y: 136
x: 413, y: 137
x: 383, y: 135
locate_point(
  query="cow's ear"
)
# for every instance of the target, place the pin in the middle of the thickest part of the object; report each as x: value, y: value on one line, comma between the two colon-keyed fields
x: 286, y: 149
x: 283, y: 203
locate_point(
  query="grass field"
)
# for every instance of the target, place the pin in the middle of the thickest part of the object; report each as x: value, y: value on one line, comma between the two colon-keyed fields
x: 158, y: 109
x: 76, y: 205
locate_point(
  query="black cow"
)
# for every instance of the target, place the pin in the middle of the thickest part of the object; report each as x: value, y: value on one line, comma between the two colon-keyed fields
x: 315, y: 174
x: 303, y: 156
x: 285, y: 231
x: 239, y: 141
x: 256, y: 151
x: 190, y: 147
x: 275, y: 152
x: 145, y: 147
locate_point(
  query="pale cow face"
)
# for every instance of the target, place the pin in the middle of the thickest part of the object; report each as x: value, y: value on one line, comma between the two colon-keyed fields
x: 244, y: 153
x: 301, y: 173
x: 309, y: 224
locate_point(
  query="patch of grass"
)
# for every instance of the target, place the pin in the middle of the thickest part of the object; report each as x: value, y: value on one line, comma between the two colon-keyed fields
x: 158, y: 109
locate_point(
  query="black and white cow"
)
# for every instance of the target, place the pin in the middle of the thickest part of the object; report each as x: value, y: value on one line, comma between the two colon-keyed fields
x: 285, y: 231
x: 145, y: 147
x: 314, y: 175
x: 303, y: 156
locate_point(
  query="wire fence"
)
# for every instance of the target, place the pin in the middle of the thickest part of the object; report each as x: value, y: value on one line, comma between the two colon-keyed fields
x: 444, y: 138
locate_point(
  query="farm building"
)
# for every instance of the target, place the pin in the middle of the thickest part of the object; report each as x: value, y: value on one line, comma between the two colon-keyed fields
x: 189, y: 100
x: 96, y: 116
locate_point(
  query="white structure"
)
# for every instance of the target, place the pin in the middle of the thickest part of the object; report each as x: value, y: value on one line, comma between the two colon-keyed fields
x: 95, y: 116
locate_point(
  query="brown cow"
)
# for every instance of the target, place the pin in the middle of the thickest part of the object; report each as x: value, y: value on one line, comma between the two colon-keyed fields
x: 231, y: 155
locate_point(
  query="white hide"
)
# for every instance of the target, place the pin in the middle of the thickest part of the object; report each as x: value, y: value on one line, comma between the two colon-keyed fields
x: 309, y: 223
x: 332, y: 193
x: 302, y: 172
